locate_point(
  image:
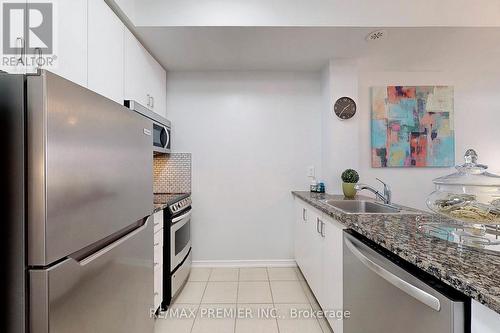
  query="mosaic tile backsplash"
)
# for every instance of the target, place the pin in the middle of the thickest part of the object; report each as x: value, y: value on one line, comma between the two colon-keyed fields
x: 172, y: 173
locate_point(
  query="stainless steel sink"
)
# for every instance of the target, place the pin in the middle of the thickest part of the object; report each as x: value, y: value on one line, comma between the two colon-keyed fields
x: 362, y: 207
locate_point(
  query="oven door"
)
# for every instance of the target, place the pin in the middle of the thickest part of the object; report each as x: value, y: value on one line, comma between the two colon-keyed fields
x: 180, y: 238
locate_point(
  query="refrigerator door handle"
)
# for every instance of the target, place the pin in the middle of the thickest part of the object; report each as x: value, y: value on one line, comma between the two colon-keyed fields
x: 396, y: 281
x: 96, y: 254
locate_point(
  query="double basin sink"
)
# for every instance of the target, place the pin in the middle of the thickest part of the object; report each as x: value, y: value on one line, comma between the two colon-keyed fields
x: 362, y: 207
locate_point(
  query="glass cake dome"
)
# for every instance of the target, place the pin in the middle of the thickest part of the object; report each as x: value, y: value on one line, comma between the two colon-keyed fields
x: 470, y: 195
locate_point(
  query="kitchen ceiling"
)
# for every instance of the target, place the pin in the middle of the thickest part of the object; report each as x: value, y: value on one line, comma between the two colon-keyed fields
x: 310, y: 48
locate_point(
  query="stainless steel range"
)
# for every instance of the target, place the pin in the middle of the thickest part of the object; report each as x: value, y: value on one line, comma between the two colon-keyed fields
x: 177, y: 246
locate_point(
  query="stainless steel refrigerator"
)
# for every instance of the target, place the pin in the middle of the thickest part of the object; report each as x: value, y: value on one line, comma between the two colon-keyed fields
x: 77, y: 243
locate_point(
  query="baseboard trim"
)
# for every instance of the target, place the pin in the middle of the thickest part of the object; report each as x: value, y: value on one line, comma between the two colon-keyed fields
x: 245, y: 263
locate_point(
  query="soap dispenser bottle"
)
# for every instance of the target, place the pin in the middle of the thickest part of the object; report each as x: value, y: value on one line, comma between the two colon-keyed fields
x: 314, y: 185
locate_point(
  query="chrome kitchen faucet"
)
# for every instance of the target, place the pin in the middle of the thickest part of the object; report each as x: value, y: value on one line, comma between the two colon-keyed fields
x: 386, y: 197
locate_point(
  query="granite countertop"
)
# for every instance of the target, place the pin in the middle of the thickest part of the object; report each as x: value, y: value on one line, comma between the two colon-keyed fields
x: 162, y: 200
x: 474, y: 272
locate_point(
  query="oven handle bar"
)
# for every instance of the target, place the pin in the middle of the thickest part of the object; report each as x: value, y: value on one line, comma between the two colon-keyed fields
x: 180, y: 218
x: 396, y: 281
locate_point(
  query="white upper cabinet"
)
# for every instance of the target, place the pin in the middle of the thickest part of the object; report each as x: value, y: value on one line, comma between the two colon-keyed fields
x: 105, y: 51
x: 137, y: 70
x: 70, y: 40
x: 145, y: 79
x: 159, y: 88
x: 68, y: 57
x: 13, y: 59
x: 91, y: 47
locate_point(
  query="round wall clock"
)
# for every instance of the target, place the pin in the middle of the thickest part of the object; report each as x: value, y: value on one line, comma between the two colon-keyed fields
x: 345, y: 108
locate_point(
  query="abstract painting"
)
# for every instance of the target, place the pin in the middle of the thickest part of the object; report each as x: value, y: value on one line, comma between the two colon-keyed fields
x: 412, y: 126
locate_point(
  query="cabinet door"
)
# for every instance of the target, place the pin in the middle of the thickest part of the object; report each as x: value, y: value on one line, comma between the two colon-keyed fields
x: 308, y: 244
x: 315, y: 254
x: 331, y: 297
x: 158, y: 268
x: 105, y: 51
x: 69, y: 58
x: 484, y: 320
x: 14, y: 60
x: 159, y: 89
x: 145, y: 79
x: 301, y: 216
x: 137, y: 72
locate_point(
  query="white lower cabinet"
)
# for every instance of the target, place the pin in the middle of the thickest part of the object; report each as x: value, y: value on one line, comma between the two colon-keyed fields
x: 299, y: 227
x: 314, y: 252
x: 484, y: 320
x: 158, y: 259
x: 331, y: 297
x: 306, y: 242
x: 318, y: 253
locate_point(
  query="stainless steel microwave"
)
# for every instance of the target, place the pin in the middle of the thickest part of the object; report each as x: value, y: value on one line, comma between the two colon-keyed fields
x: 161, y: 129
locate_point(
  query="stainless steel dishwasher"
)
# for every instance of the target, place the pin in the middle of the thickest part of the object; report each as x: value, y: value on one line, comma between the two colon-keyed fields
x: 386, y: 294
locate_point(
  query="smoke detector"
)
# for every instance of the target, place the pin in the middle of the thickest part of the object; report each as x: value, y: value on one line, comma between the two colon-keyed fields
x: 376, y: 35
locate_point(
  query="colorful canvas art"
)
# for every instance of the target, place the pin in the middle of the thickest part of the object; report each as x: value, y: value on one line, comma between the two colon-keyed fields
x: 412, y: 126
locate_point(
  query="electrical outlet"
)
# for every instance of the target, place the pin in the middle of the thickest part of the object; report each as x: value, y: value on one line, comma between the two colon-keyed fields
x: 310, y: 171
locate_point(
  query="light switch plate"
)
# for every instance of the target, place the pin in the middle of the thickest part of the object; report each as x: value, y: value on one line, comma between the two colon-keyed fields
x: 311, y: 171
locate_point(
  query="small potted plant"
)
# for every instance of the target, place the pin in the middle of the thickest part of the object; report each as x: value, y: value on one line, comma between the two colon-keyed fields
x: 349, y: 178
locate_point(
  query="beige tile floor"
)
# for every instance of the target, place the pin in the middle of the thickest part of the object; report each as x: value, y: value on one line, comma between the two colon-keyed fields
x: 219, y: 300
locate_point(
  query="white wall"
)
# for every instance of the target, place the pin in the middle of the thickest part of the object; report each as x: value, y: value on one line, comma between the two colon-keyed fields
x: 367, y: 13
x: 252, y: 136
x: 477, y: 117
x: 339, y: 139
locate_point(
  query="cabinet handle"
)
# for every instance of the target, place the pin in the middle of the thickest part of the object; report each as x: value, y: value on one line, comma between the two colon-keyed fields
x: 317, y: 225
x: 156, y: 244
x: 39, y: 60
x: 304, y: 214
x: 21, y: 48
x: 149, y: 100
x: 322, y: 229
x: 152, y: 101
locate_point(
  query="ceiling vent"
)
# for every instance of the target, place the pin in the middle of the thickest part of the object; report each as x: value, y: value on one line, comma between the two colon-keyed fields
x: 376, y: 35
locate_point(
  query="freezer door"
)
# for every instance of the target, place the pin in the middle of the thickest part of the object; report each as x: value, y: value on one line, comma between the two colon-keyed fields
x: 12, y: 205
x: 382, y: 297
x: 89, y: 168
x: 110, y: 290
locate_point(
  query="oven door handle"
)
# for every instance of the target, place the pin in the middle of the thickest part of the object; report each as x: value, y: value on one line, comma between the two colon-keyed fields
x: 180, y: 218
